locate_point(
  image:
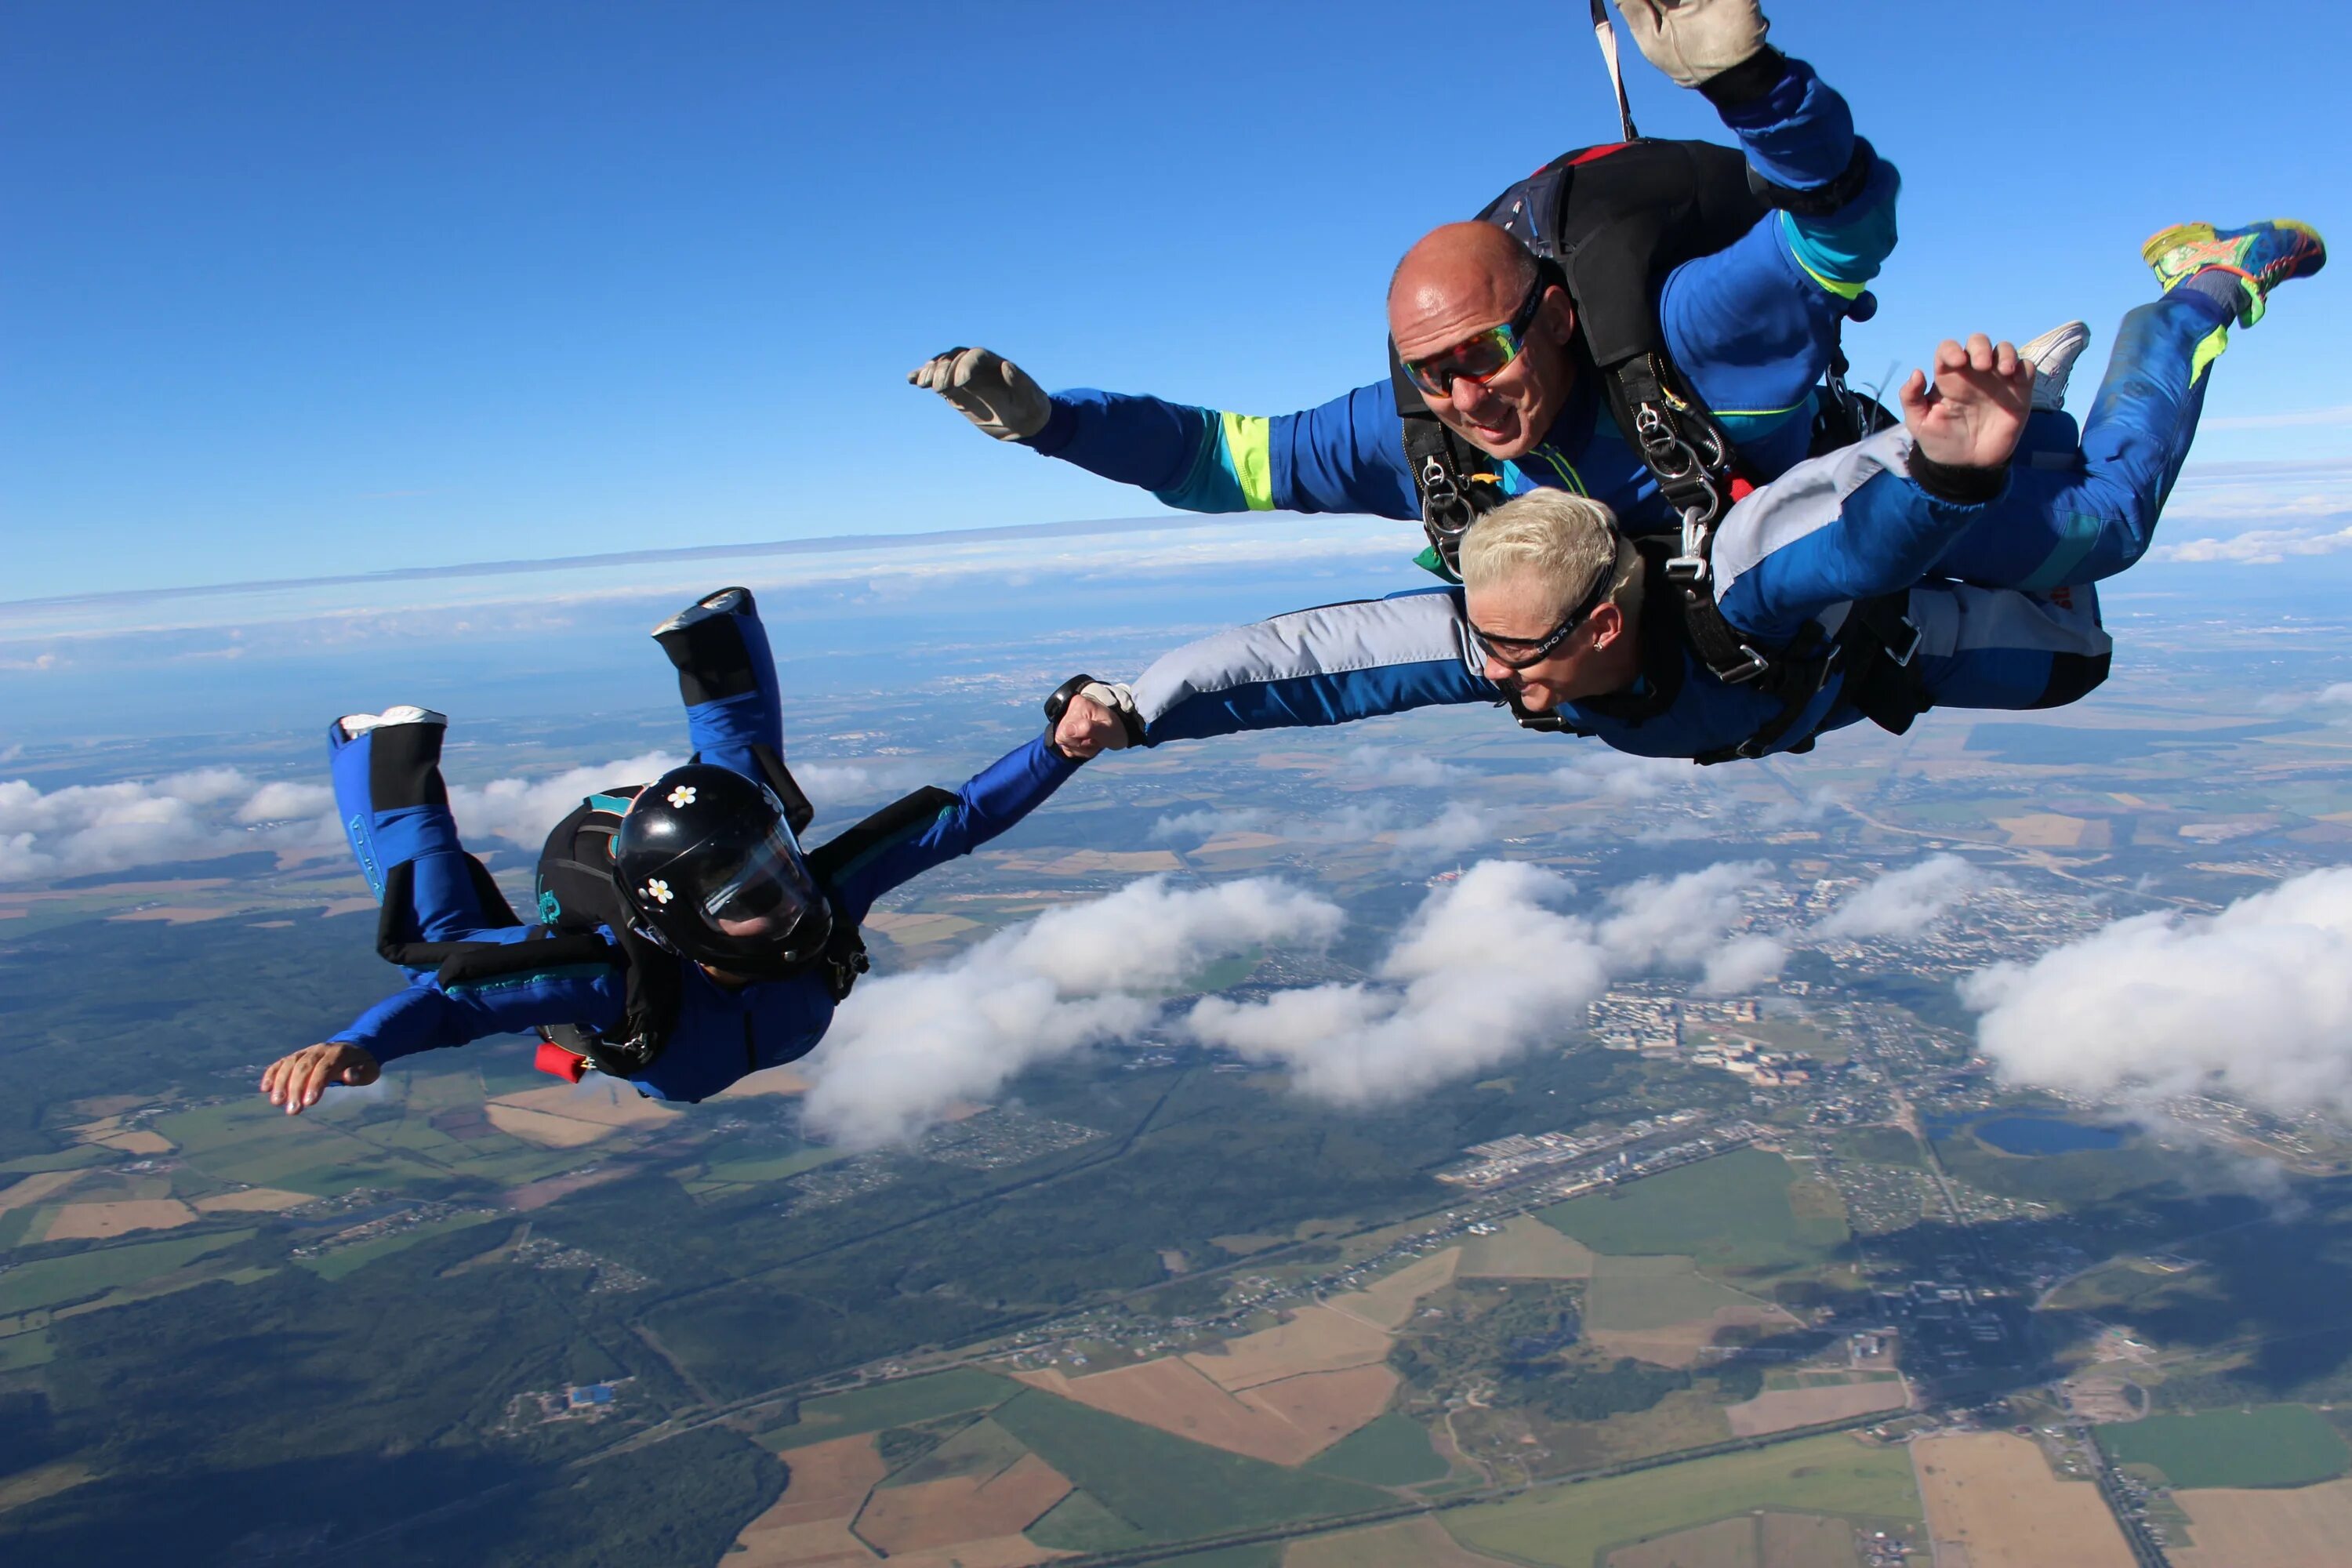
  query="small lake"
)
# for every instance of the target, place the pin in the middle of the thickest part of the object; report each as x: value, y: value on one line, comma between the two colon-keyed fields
x: 2046, y: 1135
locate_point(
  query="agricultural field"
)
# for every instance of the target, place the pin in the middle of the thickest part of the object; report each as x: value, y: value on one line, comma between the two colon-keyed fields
x: 1525, y: 1248
x: 54, y: 1281
x: 904, y: 1403
x: 1732, y: 1215
x: 1414, y: 1544
x: 1754, y: 1540
x: 1393, y: 1451
x: 1580, y: 1526
x: 1782, y: 1409
x: 2281, y: 1527
x: 1994, y: 1496
x: 2270, y: 1446
x: 1165, y: 1486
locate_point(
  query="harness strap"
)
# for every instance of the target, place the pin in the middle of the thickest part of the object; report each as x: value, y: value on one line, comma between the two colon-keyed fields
x: 1607, y: 34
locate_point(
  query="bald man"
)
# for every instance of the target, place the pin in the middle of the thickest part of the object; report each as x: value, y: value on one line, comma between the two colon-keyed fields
x: 1493, y: 345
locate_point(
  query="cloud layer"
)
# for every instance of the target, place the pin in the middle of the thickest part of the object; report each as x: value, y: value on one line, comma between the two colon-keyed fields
x: 2255, y: 1001
x: 1903, y: 903
x: 1490, y: 967
x: 906, y: 1047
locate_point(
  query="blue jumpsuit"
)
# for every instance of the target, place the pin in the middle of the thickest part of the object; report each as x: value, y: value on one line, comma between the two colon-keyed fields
x: 1753, y: 326
x: 721, y: 1033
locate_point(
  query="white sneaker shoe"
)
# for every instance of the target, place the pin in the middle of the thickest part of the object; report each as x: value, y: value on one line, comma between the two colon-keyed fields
x: 2053, y: 354
x: 355, y: 725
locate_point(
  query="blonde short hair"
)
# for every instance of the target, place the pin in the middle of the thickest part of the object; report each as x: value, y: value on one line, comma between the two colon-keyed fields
x: 1567, y: 542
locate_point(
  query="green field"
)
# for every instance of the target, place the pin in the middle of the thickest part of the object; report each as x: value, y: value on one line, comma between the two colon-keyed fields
x: 1079, y: 1524
x: 1171, y: 1488
x: 1729, y: 1213
x: 900, y: 1403
x: 345, y: 1260
x: 2270, y: 1446
x: 54, y: 1281
x: 1393, y: 1451
x: 19, y: 1351
x: 1652, y: 1293
x: 981, y: 1449
x: 1876, y: 1146
x: 774, y: 1168
x: 1575, y: 1526
x: 71, y: 1159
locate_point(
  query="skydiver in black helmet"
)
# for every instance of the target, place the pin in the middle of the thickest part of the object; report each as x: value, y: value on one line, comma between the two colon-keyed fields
x: 682, y: 937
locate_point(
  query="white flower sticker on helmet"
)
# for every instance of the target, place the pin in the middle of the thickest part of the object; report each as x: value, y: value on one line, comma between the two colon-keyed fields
x: 683, y: 795
x: 658, y: 891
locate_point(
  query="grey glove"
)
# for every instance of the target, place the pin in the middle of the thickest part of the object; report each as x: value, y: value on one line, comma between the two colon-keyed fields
x: 987, y: 389
x: 1694, y: 41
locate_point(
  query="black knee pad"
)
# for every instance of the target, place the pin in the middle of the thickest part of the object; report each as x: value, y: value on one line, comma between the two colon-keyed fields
x: 404, y: 767
x: 713, y: 660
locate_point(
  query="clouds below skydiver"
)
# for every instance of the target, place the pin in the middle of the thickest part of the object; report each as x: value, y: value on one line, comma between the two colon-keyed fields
x: 1487, y: 968
x: 2254, y: 1002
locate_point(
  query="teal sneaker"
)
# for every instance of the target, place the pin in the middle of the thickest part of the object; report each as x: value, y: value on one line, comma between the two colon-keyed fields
x: 2264, y: 255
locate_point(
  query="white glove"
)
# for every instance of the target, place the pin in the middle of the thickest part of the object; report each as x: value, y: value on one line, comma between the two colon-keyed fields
x: 1696, y: 40
x: 987, y: 389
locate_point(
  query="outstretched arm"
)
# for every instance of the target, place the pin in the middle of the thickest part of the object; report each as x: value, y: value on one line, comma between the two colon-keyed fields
x: 1873, y: 517
x: 908, y: 839
x: 1345, y: 455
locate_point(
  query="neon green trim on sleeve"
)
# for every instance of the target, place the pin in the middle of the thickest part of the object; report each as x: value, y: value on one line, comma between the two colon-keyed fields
x: 1249, y: 456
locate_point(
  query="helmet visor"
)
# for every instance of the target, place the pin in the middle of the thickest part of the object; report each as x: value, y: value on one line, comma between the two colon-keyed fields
x: 766, y: 896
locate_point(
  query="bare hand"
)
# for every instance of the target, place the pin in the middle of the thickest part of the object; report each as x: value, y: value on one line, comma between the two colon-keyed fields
x: 1973, y: 415
x: 1088, y: 729
x: 294, y: 1081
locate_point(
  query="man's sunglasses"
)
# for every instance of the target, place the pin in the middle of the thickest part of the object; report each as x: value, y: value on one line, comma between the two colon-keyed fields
x: 1481, y: 355
x: 1522, y: 653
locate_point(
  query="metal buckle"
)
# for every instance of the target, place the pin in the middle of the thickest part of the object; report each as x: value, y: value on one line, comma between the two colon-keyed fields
x: 1756, y: 664
x: 1903, y: 660
x: 1688, y: 570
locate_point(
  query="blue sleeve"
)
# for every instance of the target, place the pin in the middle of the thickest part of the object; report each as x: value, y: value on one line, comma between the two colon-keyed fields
x: 1753, y: 325
x: 429, y: 1018
x: 989, y: 801
x: 1849, y: 525
x: 1344, y: 456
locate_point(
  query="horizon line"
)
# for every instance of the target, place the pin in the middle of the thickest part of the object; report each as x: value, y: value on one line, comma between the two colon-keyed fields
x: 821, y: 545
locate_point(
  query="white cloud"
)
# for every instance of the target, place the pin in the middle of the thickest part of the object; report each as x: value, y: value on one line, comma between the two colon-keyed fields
x: 842, y: 784
x: 1458, y: 828
x: 1414, y: 770
x: 1901, y: 904
x: 521, y: 810
x: 2258, y: 546
x: 2254, y: 1002
x: 1207, y: 824
x: 88, y: 829
x: 1487, y: 968
x: 906, y: 1047
x: 1619, y: 775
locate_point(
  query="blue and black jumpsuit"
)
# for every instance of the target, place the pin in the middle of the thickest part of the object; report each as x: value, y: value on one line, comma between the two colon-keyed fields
x: 395, y: 811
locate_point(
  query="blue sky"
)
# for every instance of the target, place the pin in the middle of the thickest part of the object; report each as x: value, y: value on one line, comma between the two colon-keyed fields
x: 294, y: 289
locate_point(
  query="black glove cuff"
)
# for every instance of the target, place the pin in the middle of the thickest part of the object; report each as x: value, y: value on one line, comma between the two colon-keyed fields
x: 1748, y: 80
x: 1960, y: 485
x: 1818, y: 201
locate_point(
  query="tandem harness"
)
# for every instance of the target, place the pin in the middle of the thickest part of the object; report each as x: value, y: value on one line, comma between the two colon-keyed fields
x: 1608, y: 223
x: 1870, y: 650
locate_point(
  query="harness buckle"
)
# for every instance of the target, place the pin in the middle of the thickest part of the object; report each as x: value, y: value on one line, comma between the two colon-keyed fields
x: 1690, y: 570
x: 1756, y: 667
x: 1910, y: 647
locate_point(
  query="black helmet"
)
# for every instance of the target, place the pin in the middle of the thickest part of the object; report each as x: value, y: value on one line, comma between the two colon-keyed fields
x: 708, y: 864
